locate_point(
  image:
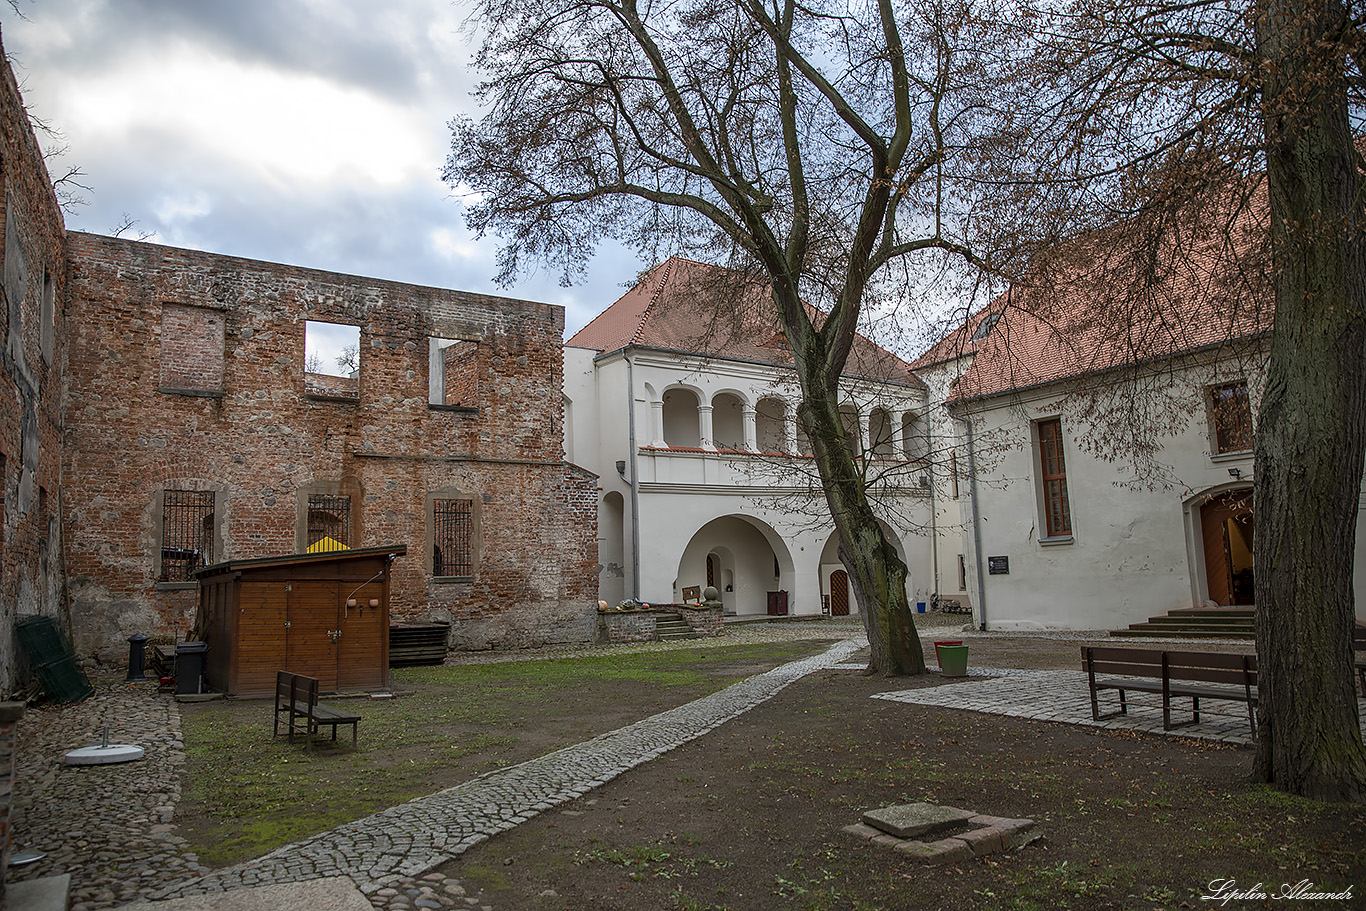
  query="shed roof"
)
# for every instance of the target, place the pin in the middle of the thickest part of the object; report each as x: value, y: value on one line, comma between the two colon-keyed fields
x: 358, y: 553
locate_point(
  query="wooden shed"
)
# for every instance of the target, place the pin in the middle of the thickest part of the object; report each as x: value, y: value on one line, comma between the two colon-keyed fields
x: 325, y: 615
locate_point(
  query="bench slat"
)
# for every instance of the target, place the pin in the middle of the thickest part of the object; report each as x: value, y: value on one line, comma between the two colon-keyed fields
x: 1172, y: 674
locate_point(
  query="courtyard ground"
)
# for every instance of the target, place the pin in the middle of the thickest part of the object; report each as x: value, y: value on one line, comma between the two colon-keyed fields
x: 751, y: 814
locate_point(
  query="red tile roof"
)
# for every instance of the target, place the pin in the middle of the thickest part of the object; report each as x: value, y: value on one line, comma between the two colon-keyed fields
x: 695, y: 308
x: 1090, y: 310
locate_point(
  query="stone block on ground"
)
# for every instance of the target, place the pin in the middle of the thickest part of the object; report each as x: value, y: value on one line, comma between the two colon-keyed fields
x: 914, y: 819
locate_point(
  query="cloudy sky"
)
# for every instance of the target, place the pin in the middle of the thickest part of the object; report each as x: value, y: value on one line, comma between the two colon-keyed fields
x: 308, y: 132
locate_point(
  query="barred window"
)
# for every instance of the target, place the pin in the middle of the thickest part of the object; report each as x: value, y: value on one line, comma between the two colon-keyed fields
x: 186, y: 533
x: 451, y: 550
x: 329, y: 523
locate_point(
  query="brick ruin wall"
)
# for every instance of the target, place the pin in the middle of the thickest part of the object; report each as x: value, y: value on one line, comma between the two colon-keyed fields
x: 186, y: 372
x: 34, y: 348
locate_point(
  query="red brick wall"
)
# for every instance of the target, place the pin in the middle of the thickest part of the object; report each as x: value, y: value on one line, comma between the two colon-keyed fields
x: 33, y: 254
x: 191, y: 349
x: 262, y: 443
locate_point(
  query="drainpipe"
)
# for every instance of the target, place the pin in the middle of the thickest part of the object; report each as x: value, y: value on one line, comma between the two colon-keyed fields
x: 934, y: 519
x: 635, y: 493
x: 976, y: 529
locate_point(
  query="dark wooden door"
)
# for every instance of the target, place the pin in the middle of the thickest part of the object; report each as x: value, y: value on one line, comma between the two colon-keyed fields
x: 839, y: 593
x: 311, y: 641
x: 261, y: 628
x: 1226, y: 514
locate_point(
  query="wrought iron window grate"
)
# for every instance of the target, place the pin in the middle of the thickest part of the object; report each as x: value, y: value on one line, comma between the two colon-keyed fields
x: 451, y: 547
x: 186, y: 533
x: 329, y: 522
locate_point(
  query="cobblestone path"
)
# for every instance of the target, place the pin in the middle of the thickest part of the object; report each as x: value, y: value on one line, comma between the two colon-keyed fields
x: 397, y: 846
x: 1063, y: 696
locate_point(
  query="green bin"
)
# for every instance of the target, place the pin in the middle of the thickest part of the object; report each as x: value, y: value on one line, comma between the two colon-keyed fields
x: 953, y: 660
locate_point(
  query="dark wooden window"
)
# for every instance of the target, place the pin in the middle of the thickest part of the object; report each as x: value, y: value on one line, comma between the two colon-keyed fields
x: 186, y: 533
x: 1232, y: 418
x: 329, y: 522
x: 451, y: 548
x: 1057, y: 512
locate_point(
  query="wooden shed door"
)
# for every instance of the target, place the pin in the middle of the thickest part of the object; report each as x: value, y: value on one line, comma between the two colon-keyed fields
x: 260, y: 637
x: 311, y: 639
x: 359, y: 659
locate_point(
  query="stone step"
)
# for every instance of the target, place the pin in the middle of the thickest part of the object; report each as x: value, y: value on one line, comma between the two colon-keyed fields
x: 1139, y: 631
x: 674, y: 629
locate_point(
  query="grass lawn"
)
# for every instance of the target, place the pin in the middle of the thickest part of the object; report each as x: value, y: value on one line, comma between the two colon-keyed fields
x: 247, y: 793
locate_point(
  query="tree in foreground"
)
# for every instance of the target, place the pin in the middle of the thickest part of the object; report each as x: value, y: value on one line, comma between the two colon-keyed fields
x: 1232, y: 124
x: 812, y: 147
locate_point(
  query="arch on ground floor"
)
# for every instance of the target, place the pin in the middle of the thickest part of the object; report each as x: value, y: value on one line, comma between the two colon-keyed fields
x: 746, y: 559
x: 837, y: 591
x: 1219, y: 544
x: 612, y: 548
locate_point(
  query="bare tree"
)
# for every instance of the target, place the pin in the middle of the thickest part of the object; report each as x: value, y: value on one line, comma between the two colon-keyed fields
x: 1217, y: 138
x: 349, y: 360
x: 812, y: 147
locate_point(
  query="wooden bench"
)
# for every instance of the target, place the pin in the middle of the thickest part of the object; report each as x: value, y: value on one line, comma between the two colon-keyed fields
x: 1171, y: 674
x: 296, y: 696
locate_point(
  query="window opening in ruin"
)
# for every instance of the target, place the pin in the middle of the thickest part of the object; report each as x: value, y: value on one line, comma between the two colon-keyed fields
x: 48, y: 317
x: 452, y: 521
x: 191, y: 350
x: 453, y: 372
x: 331, y: 359
x: 186, y: 533
x: 329, y: 523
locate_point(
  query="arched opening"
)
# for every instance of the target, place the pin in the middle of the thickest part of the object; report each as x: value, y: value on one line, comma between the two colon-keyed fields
x: 835, y: 585
x: 727, y: 425
x: 915, y: 442
x: 612, y: 549
x: 770, y: 425
x: 681, y: 427
x: 743, y: 559
x: 880, y: 433
x: 1226, y: 536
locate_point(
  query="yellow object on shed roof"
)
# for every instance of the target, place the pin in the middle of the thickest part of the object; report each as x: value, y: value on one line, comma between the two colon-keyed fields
x: 326, y: 543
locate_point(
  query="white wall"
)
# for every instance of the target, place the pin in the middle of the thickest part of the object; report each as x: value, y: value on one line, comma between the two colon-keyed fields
x: 1135, y: 549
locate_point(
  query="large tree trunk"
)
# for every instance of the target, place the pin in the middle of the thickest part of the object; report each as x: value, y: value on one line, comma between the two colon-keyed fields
x: 876, y: 571
x: 1312, y: 428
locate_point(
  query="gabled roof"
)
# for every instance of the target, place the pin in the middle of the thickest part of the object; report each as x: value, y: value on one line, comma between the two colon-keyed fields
x: 694, y: 308
x: 1106, y: 302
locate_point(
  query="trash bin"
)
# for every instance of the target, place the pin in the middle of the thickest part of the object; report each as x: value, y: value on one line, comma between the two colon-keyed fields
x: 920, y: 607
x: 953, y: 660
x: 939, y: 642
x: 189, y: 667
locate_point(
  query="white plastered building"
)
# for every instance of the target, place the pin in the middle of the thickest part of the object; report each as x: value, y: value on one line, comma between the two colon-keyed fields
x: 686, y: 409
x: 1060, y: 525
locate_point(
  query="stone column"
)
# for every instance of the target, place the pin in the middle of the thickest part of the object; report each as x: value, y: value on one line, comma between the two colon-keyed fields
x: 657, y: 424
x: 751, y: 431
x: 790, y: 430
x: 704, y: 426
